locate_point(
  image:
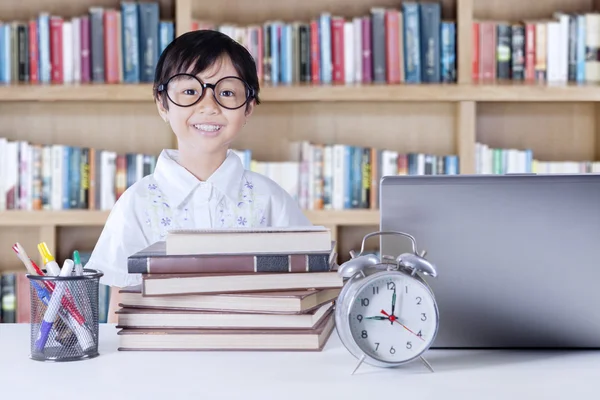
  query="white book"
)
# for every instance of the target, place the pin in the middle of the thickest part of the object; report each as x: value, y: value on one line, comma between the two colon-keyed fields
x: 339, y: 181
x: 23, y: 168
x: 357, y: 35
x: 327, y: 176
x: 563, y: 46
x: 389, y: 163
x: 259, y: 240
x: 47, y: 177
x: 349, y: 52
x: 109, y: 169
x: 56, y: 197
x: 67, y: 51
x: 139, y: 167
x: 11, y: 183
x: 553, y: 52
x: 76, y: 52
x: 3, y: 171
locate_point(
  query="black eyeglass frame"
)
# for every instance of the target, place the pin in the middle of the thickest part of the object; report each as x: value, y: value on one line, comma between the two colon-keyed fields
x: 249, y: 91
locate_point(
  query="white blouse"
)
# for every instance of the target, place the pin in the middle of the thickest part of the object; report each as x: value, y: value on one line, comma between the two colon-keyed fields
x: 173, y: 198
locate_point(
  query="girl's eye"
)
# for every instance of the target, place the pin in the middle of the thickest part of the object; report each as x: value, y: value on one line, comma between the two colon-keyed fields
x: 227, y: 93
x: 190, y: 92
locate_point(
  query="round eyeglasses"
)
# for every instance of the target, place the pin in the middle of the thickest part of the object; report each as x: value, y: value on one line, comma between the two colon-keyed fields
x: 185, y: 90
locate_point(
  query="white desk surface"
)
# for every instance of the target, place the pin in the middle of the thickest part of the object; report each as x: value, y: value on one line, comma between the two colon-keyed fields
x: 466, y: 374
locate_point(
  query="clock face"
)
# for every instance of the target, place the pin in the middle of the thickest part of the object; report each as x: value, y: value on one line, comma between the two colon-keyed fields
x: 394, y: 318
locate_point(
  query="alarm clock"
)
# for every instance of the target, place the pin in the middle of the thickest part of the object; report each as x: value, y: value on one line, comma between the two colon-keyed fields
x: 386, y: 314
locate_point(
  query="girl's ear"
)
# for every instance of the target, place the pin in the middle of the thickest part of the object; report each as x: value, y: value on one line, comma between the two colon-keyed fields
x: 162, y: 111
x: 250, y: 108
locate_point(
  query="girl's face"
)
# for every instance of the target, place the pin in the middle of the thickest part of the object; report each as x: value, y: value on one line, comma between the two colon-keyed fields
x: 206, y: 128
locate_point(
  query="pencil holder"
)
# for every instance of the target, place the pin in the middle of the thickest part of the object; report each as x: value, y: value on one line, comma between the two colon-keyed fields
x: 64, y: 316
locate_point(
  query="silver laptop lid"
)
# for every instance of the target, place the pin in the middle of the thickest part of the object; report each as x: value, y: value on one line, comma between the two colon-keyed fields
x: 518, y: 256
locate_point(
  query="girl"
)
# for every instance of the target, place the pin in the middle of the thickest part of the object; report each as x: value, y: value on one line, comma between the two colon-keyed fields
x: 205, y: 88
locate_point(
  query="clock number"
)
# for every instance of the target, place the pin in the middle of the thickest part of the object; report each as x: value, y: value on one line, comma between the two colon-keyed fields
x: 375, y: 289
x: 406, y: 288
x: 392, y: 350
x: 364, y: 302
x: 419, y: 334
x: 423, y: 317
x: 408, y: 345
x: 391, y: 286
x: 364, y: 335
x: 376, y: 346
x: 359, y: 318
x: 419, y: 300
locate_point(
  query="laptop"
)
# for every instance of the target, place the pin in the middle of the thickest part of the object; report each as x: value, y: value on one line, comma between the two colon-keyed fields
x: 517, y: 256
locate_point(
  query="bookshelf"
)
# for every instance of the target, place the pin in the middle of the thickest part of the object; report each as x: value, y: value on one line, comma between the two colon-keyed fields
x: 558, y: 121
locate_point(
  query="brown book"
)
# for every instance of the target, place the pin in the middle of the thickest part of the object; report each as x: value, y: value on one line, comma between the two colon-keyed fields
x: 154, y: 260
x: 139, y: 318
x: 170, y: 284
x: 157, y: 339
x: 285, y: 302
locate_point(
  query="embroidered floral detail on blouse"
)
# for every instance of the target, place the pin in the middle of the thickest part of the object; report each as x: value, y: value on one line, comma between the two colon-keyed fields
x: 247, y: 210
x: 160, y: 216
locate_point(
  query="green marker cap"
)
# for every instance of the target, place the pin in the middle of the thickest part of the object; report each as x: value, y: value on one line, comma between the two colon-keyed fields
x: 76, y: 257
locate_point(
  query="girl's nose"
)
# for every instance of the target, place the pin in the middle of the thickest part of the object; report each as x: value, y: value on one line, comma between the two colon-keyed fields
x: 208, y: 104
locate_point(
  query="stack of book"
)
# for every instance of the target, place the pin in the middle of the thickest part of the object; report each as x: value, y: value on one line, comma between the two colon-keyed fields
x: 242, y: 289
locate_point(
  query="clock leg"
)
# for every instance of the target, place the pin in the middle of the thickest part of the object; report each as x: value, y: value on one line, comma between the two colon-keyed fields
x: 359, y: 363
x: 426, y: 363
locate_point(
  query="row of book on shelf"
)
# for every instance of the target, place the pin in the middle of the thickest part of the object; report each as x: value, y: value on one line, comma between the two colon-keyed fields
x: 15, y: 299
x: 105, y: 45
x: 317, y: 176
x: 562, y: 48
x: 410, y: 43
x: 494, y: 160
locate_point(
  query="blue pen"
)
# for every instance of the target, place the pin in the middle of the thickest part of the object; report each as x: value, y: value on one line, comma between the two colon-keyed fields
x: 53, y: 307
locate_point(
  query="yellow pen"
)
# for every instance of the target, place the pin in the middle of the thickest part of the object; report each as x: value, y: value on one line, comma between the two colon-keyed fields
x: 49, y: 262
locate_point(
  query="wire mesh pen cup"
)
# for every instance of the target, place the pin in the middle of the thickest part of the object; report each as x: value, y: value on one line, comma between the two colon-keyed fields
x: 64, y: 316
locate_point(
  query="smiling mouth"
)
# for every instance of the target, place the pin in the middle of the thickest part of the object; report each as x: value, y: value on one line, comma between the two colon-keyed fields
x: 207, y: 127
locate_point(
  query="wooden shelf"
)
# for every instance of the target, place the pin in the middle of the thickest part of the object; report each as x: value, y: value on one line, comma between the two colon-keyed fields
x: 19, y: 218
x: 492, y: 92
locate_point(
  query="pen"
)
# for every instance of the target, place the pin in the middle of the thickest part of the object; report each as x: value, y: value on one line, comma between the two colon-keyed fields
x: 29, y: 264
x: 53, y: 307
x: 78, y: 266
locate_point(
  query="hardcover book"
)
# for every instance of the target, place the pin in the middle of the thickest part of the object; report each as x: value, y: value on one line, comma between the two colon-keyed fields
x: 160, y: 339
x: 186, y: 319
x: 285, y: 302
x: 154, y: 259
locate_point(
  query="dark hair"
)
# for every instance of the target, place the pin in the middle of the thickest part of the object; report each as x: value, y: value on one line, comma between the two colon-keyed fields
x: 200, y: 50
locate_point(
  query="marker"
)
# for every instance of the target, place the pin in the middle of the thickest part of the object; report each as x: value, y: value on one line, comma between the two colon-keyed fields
x: 53, y: 307
x: 49, y: 262
x: 78, y: 266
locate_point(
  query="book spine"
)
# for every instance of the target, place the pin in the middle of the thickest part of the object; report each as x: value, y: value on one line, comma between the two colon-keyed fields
x: 518, y: 52
x: 275, y: 263
x: 97, y: 44
x: 430, y: 41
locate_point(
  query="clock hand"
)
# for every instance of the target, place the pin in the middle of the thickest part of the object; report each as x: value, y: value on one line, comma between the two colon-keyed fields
x: 378, y: 318
x: 394, y: 319
x: 393, y: 304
